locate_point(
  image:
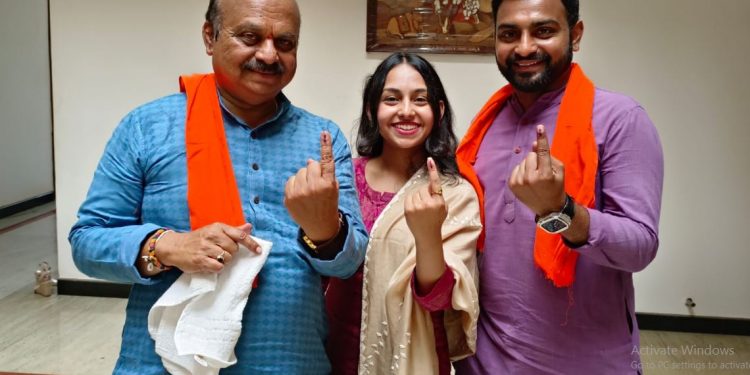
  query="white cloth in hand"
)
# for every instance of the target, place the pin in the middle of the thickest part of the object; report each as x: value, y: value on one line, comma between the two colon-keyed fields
x: 197, y: 321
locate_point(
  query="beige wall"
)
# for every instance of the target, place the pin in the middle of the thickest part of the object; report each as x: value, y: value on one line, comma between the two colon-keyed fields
x: 686, y: 62
x: 25, y: 110
x: 683, y: 59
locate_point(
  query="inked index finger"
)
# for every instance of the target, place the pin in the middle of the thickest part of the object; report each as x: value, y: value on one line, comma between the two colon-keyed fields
x: 542, y: 148
x: 327, y: 166
x: 435, y: 185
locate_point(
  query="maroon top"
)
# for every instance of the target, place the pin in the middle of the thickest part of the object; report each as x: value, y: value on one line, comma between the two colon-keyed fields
x: 344, y: 296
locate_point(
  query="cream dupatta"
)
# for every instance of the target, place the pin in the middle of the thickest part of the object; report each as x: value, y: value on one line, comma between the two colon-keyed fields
x: 397, y: 335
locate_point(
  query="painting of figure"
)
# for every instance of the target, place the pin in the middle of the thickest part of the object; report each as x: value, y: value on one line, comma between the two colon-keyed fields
x: 432, y: 26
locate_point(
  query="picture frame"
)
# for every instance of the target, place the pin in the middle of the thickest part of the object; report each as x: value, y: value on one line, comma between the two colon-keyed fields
x: 430, y: 26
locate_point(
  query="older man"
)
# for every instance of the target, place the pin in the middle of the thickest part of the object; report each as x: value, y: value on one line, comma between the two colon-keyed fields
x: 571, y: 180
x: 185, y: 179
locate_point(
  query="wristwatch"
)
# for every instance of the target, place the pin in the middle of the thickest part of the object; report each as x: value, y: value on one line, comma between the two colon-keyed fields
x: 558, y: 222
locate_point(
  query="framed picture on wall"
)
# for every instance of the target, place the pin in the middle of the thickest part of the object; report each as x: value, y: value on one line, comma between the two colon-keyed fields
x: 430, y: 26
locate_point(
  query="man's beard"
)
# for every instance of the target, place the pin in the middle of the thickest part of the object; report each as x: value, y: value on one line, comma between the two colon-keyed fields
x: 536, y: 82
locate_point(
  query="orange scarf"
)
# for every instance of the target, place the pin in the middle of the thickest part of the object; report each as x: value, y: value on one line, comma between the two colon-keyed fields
x: 213, y: 195
x: 212, y: 191
x: 573, y: 144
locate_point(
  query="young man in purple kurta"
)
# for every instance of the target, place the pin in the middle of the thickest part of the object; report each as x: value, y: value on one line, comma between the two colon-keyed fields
x: 527, y: 325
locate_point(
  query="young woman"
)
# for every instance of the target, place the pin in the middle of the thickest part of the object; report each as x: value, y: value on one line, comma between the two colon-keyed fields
x: 412, y: 307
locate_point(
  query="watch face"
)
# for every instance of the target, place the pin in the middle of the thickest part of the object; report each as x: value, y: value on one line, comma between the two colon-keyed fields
x: 554, y: 225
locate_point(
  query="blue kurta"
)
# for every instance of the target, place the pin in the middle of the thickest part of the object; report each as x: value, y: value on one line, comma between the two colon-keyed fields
x: 141, y: 185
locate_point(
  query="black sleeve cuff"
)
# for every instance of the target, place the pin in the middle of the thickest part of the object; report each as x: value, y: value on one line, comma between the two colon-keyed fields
x: 572, y: 245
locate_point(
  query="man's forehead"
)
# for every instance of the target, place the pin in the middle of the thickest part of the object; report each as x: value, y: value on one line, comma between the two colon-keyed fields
x: 533, y: 11
x: 260, y: 25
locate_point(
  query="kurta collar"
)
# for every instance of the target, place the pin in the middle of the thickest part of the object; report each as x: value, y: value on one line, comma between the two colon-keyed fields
x: 281, y: 100
x: 548, y: 99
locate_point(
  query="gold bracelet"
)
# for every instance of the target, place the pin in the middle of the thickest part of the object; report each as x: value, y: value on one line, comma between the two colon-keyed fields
x: 309, y: 243
x: 312, y: 244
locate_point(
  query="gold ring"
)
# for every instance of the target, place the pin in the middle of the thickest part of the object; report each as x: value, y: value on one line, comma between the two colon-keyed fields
x: 220, y: 258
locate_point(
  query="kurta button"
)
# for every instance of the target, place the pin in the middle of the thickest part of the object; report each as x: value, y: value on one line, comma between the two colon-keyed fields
x: 255, y: 166
x: 517, y: 150
x: 256, y: 200
x: 253, y: 135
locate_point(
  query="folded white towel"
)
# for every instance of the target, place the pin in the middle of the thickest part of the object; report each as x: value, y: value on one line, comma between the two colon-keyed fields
x: 197, y: 321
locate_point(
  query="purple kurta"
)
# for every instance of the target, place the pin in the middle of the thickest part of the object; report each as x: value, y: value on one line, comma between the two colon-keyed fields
x: 528, y: 326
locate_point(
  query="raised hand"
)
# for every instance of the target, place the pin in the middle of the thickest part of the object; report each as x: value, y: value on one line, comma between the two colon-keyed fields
x: 312, y: 195
x: 538, y: 181
x: 425, y: 208
x: 206, y: 249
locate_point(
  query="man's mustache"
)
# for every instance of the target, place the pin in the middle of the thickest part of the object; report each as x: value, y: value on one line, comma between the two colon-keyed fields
x: 261, y: 67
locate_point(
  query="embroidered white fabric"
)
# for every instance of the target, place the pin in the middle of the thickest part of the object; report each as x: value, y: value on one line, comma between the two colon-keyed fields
x: 197, y: 321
